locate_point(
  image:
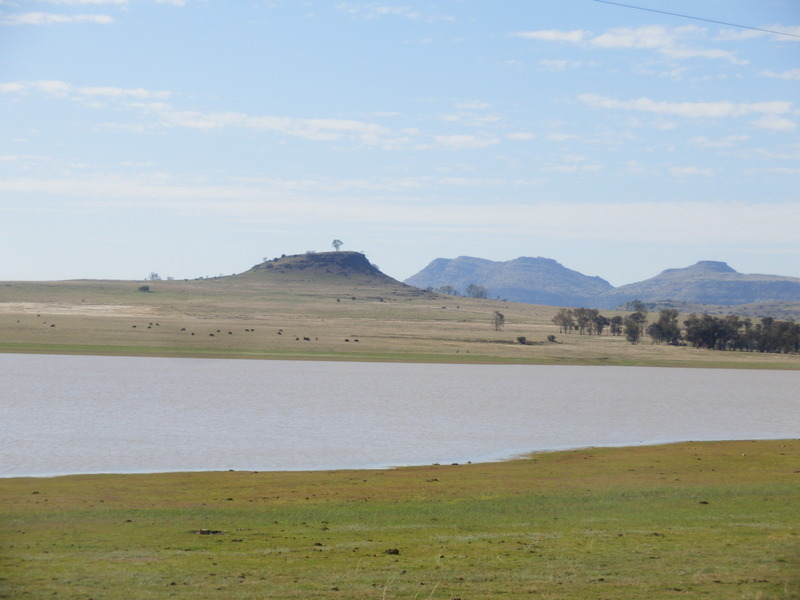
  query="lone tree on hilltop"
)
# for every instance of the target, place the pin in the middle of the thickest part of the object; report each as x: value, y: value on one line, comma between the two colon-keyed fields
x: 336, y: 244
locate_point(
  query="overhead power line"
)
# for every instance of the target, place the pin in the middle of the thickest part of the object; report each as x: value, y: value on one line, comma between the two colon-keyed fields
x: 674, y: 14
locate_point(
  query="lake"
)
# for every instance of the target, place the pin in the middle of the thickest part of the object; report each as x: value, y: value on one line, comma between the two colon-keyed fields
x: 89, y: 414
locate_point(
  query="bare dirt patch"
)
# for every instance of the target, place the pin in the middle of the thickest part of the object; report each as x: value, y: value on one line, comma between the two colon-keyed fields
x: 58, y: 308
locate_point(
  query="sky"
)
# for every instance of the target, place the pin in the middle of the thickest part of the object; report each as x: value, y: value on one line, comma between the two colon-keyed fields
x: 195, y: 138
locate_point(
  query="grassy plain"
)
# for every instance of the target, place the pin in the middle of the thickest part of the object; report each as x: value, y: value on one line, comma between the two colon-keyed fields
x: 711, y: 520
x: 259, y: 315
x: 695, y: 520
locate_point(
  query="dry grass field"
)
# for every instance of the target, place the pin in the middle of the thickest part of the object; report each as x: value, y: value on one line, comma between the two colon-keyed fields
x: 313, y: 314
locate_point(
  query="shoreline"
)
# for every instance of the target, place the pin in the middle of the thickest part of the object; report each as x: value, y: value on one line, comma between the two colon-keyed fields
x: 404, y: 358
x: 515, y: 457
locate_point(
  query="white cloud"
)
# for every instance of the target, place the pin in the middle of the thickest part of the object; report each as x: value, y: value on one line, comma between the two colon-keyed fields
x: 651, y: 37
x: 791, y: 74
x: 573, y: 168
x: 560, y: 64
x: 473, y: 105
x: 62, y: 88
x: 87, y: 2
x: 464, y: 142
x: 374, y: 10
x: 576, y: 36
x: 775, y: 123
x: 690, y: 172
x: 667, y: 41
x: 39, y: 18
x: 726, y: 142
x: 520, y: 136
x: 117, y: 92
x: 694, y: 110
x: 312, y: 129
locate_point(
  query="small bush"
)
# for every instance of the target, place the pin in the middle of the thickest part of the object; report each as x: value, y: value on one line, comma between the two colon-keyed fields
x: 551, y: 338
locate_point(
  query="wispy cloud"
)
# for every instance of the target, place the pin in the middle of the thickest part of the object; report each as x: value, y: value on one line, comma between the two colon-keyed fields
x: 167, y: 115
x: 791, y: 74
x: 86, y: 2
x: 691, y: 171
x: 464, y: 142
x: 575, y: 36
x: 62, y: 88
x: 775, y: 123
x: 671, y: 42
x: 726, y: 142
x: 272, y: 201
x: 694, y: 110
x: 40, y: 18
x: 374, y: 10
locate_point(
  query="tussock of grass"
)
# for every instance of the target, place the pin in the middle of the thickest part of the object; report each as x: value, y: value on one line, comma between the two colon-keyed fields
x: 712, y: 520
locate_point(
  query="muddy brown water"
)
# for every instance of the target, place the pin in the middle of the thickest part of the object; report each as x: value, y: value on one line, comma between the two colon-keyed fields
x: 86, y: 414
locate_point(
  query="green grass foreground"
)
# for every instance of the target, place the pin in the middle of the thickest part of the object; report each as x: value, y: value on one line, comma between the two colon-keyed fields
x: 714, y: 520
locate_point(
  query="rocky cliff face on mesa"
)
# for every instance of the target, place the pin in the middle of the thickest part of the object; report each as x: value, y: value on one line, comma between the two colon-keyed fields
x: 545, y: 281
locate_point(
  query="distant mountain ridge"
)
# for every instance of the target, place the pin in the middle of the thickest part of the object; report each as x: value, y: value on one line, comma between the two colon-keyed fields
x: 529, y: 280
x: 545, y: 281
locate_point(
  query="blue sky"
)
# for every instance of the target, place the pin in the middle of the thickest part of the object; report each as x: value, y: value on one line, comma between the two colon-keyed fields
x: 197, y: 137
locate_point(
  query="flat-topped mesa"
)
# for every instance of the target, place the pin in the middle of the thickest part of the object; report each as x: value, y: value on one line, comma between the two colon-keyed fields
x: 345, y: 265
x: 703, y: 267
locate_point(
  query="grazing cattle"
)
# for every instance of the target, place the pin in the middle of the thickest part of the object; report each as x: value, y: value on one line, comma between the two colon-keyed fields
x: 53, y: 325
x: 346, y: 340
x: 230, y: 333
x: 305, y: 339
x: 183, y: 328
x: 211, y: 335
x: 133, y: 326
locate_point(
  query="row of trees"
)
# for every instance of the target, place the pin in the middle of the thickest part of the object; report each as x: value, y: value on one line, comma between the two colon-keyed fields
x: 705, y: 331
x: 734, y: 333
x: 587, y: 320
x: 473, y: 291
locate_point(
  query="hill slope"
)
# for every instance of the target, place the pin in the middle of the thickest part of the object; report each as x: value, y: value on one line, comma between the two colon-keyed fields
x: 331, y: 267
x: 706, y: 282
x: 545, y: 281
x: 529, y: 280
